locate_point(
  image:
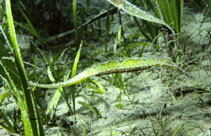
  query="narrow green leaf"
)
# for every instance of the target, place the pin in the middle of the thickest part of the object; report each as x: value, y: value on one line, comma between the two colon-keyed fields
x: 24, y: 114
x: 75, y: 18
x: 74, y: 69
x: 54, y: 101
x: 42, y: 54
x: 177, y: 12
x: 6, y: 123
x: 32, y: 124
x: 56, y: 97
x: 118, y: 40
x: 119, y: 34
x: 137, y: 12
x: 31, y: 28
x: 177, y: 130
x: 94, y: 109
x: 100, y: 89
x: 50, y: 75
x: 4, y: 95
x: 172, y: 10
x: 166, y: 11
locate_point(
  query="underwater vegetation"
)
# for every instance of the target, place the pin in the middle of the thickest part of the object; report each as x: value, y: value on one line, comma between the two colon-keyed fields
x: 112, y: 67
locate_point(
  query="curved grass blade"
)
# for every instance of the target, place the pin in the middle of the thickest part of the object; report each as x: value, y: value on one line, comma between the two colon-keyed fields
x: 97, y: 86
x: 94, y: 109
x: 55, y: 100
x: 57, y: 95
x: 137, y: 12
x: 11, y: 84
x: 4, y: 95
x: 6, y: 123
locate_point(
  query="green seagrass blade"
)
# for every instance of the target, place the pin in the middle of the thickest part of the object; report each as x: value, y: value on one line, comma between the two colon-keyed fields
x: 137, y: 12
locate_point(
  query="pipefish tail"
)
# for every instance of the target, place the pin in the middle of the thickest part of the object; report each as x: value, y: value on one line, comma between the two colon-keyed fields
x: 127, y: 65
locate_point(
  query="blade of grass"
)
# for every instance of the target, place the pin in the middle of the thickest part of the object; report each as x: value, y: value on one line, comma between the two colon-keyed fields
x: 4, y: 94
x: 75, y: 19
x: 54, y: 101
x: 16, y: 92
x: 75, y: 65
x: 31, y: 28
x: 166, y: 11
x: 137, y: 12
x: 99, y: 89
x: 32, y: 124
x: 9, y: 63
x: 94, y: 109
x: 6, y: 124
x: 74, y: 69
x: 177, y: 12
x: 42, y: 54
x: 172, y: 10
